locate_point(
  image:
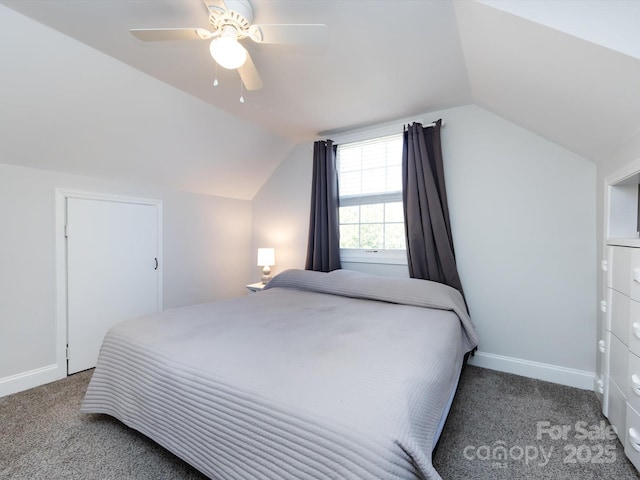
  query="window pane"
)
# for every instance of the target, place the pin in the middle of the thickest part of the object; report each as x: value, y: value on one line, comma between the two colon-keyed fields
x: 394, y: 151
x: 349, y: 183
x: 373, y: 180
x: 394, y: 238
x: 349, y: 236
x: 393, y: 212
x: 372, y: 213
x: 374, y: 155
x: 371, y: 235
x: 350, y: 160
x: 394, y: 179
x: 349, y: 214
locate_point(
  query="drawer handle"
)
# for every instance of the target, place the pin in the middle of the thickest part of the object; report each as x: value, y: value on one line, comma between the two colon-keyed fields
x: 636, y: 329
x: 635, y: 380
x: 603, y: 305
x: 636, y: 274
x: 601, y: 346
x: 635, y: 439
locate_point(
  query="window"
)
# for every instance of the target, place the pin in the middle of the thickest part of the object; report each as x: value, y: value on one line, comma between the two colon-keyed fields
x: 370, y: 191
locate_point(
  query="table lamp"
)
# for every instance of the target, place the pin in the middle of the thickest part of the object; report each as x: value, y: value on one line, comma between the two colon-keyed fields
x: 266, y: 258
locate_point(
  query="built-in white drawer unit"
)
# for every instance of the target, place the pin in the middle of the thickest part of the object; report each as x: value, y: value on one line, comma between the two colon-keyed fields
x: 621, y: 304
x: 620, y: 344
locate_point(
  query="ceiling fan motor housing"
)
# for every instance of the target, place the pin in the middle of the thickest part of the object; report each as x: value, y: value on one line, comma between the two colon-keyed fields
x: 238, y: 14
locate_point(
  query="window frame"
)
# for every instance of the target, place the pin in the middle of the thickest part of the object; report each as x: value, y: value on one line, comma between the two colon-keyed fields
x: 373, y: 256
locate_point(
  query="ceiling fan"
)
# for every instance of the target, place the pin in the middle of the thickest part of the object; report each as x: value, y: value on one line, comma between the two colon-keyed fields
x: 231, y: 22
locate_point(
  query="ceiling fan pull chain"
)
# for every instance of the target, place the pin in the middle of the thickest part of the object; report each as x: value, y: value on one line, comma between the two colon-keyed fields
x: 241, y: 97
x: 215, y: 79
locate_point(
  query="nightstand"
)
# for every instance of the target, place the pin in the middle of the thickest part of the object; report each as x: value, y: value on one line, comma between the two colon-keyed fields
x: 255, y: 287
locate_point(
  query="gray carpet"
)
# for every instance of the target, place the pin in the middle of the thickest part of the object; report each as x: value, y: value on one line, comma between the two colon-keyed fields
x: 542, y: 427
x: 43, y: 436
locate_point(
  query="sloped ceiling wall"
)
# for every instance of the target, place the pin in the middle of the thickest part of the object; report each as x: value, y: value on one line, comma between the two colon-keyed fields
x: 581, y: 95
x: 565, y: 70
x: 67, y: 107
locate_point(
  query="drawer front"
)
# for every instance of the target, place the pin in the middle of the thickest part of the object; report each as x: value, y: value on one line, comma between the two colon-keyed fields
x: 617, y: 409
x: 618, y: 361
x: 620, y: 310
x: 633, y: 334
x: 632, y: 437
x: 621, y: 270
x: 632, y: 388
x: 635, y: 274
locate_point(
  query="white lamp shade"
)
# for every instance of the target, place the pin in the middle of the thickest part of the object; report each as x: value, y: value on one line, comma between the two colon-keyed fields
x: 266, y: 256
x: 227, y: 52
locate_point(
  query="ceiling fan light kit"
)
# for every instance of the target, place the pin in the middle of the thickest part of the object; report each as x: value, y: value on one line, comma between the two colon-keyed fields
x: 227, y: 51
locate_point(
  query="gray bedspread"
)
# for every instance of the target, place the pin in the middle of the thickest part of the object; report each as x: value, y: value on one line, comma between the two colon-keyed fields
x: 319, y: 376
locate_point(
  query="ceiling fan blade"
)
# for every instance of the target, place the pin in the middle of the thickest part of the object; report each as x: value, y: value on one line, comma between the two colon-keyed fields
x: 313, y: 35
x: 163, y: 34
x: 249, y: 75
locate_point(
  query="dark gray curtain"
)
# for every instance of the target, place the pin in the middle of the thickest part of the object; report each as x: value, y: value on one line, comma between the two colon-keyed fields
x: 430, y: 251
x: 323, y: 248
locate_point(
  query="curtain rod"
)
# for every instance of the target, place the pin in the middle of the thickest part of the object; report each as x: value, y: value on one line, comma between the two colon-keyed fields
x: 432, y: 124
x: 372, y: 132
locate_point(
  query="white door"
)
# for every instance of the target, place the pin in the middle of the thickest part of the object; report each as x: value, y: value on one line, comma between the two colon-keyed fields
x: 112, y: 271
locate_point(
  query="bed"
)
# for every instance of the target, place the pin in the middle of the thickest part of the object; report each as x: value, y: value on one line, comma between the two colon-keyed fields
x: 318, y: 376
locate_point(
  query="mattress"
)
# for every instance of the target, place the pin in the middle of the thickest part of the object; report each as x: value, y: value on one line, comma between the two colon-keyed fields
x: 338, y: 375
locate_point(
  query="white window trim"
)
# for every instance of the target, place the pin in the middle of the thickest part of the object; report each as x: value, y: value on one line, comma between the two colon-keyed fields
x: 369, y: 199
x: 387, y: 257
x: 373, y: 256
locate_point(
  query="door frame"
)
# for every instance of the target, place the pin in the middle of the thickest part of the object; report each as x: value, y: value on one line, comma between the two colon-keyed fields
x: 62, y: 195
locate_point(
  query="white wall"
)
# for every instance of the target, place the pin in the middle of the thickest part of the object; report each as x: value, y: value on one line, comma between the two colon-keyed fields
x: 523, y: 219
x: 206, y: 241
x: 523, y: 215
x: 281, y: 211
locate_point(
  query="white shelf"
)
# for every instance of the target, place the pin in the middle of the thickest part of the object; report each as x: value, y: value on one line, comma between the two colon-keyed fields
x: 624, y: 242
x: 621, y: 206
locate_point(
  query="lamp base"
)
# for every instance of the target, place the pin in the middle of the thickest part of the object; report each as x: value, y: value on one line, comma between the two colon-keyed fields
x: 266, y: 274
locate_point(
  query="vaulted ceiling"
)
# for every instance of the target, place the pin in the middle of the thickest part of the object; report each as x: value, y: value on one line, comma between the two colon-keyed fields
x: 568, y: 71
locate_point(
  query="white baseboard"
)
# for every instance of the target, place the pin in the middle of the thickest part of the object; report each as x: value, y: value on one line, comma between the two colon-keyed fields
x: 541, y: 371
x: 32, y: 378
